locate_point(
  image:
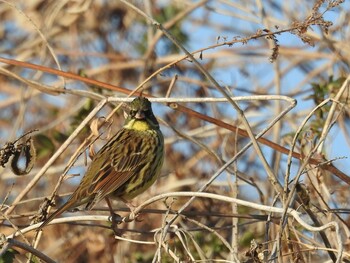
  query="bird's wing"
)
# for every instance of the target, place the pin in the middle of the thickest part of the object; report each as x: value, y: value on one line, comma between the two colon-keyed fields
x: 113, y: 175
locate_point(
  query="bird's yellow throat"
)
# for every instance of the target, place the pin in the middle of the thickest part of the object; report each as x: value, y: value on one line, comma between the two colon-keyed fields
x: 139, y: 125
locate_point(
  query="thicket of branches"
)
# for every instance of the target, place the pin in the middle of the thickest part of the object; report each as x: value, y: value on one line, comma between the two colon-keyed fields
x: 249, y: 175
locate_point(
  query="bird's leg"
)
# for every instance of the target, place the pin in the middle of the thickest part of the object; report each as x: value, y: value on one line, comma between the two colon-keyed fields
x: 116, y: 219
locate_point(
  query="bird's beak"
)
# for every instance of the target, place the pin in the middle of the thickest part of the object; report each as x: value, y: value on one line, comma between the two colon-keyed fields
x: 140, y: 115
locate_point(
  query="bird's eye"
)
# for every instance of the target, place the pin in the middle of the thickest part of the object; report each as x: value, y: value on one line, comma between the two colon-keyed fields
x: 132, y: 112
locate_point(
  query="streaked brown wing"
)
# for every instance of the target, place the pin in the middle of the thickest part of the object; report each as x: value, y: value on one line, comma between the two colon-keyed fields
x: 113, y: 175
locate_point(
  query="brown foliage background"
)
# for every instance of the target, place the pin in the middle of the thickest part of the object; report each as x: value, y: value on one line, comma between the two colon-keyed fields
x: 295, y: 51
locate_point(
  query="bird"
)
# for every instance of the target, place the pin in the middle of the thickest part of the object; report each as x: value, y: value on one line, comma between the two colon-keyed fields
x: 127, y: 165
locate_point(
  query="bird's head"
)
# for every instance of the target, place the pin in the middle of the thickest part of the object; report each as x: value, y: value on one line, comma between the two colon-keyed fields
x: 139, y: 115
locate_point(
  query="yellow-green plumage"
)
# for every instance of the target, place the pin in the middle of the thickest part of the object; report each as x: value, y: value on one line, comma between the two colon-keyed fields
x: 126, y: 165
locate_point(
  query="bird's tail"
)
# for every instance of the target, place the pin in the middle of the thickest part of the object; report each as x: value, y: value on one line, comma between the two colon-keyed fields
x: 58, y: 212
